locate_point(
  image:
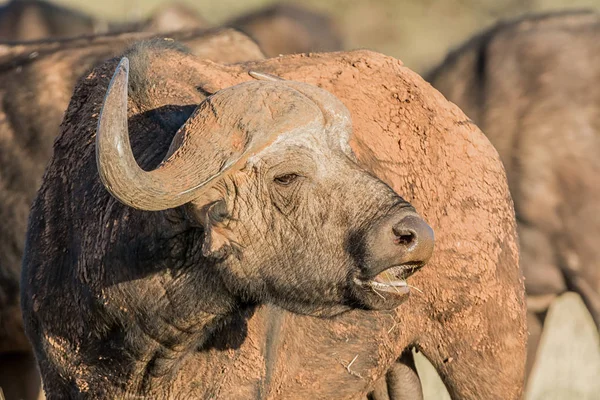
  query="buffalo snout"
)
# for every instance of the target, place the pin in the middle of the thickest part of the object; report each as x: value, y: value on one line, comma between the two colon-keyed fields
x: 401, y: 239
x: 413, y: 240
x: 395, y: 247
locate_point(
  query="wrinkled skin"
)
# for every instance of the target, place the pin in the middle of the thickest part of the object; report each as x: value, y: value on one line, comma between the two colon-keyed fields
x: 35, y: 93
x: 133, y: 270
x: 288, y: 29
x: 301, y: 262
x: 529, y: 86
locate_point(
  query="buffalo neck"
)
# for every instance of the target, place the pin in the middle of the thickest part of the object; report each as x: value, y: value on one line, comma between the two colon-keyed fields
x: 156, y: 301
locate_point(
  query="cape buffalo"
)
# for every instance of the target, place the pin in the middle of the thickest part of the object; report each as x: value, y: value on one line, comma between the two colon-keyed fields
x: 199, y: 272
x: 29, y: 20
x: 23, y: 20
x: 289, y: 28
x: 36, y: 83
x: 174, y: 16
x: 529, y: 85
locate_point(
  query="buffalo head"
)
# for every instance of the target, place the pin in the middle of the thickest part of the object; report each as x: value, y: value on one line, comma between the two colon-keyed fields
x: 265, y: 169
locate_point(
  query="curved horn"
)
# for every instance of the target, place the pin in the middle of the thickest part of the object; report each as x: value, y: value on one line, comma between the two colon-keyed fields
x: 263, y: 76
x: 224, y: 131
x: 117, y: 167
x: 333, y: 109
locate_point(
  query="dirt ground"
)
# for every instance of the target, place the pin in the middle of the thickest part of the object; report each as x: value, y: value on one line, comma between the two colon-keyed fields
x: 568, y: 361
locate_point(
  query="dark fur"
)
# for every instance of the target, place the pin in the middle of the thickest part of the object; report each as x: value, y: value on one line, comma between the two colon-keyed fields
x: 22, y: 161
x: 156, y: 128
x: 138, y: 55
x: 33, y: 103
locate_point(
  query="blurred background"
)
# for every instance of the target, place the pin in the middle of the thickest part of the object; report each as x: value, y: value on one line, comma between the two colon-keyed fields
x: 419, y: 32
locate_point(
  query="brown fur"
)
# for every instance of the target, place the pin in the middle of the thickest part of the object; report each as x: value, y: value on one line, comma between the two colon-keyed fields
x: 36, y: 82
x: 288, y: 29
x: 469, y: 320
x: 530, y: 85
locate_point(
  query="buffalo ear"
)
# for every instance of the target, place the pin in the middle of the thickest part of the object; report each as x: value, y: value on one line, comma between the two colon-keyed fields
x: 217, y: 243
x: 211, y: 216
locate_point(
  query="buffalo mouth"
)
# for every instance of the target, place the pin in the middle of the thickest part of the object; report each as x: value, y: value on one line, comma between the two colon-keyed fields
x: 390, y: 283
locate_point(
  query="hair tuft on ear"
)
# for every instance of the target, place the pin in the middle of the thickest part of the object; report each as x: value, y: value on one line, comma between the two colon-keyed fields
x: 217, y: 239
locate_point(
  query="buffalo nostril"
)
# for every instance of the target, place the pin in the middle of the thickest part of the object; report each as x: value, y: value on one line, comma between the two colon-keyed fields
x: 404, y: 236
x: 416, y: 238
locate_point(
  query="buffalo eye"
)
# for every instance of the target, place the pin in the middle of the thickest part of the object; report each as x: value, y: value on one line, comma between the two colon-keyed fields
x: 285, y: 180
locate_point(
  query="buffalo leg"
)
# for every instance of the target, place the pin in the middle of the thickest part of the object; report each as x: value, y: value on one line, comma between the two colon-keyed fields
x: 380, y: 391
x: 480, y: 352
x: 535, y: 324
x: 401, y: 382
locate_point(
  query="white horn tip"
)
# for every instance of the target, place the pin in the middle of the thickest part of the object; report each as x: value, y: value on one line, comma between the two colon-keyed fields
x: 123, y: 66
x: 263, y: 76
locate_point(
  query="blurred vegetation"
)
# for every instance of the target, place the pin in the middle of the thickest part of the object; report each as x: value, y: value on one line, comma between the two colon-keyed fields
x: 419, y: 32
